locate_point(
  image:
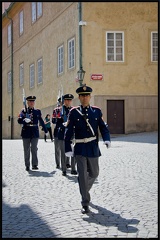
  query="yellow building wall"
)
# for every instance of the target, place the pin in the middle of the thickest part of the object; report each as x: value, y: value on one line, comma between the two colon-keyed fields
x: 137, y: 75
x: 39, y: 40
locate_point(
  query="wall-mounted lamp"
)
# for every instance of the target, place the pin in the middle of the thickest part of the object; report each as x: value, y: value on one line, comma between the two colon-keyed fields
x: 80, y: 75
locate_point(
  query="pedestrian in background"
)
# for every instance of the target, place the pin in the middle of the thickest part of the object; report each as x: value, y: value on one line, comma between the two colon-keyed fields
x: 29, y: 118
x: 47, y: 122
x: 84, y: 121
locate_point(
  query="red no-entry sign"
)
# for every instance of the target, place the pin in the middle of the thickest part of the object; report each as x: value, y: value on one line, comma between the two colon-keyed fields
x: 96, y: 77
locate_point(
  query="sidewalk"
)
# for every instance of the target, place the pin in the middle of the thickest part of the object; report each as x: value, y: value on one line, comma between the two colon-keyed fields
x: 45, y: 204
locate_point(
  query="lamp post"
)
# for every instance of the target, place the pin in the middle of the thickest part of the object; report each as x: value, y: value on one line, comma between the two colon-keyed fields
x: 80, y: 75
x: 81, y: 72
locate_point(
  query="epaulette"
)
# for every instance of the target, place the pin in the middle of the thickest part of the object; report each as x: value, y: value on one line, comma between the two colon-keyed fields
x: 57, y: 108
x: 74, y: 108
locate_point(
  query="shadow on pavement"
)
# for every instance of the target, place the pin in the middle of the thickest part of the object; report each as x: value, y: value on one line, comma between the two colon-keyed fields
x: 22, y: 222
x: 145, y: 137
x: 72, y: 178
x: 107, y: 218
x: 40, y: 174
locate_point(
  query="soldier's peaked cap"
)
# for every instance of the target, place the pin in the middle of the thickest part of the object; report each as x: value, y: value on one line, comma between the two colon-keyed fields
x: 84, y: 90
x: 68, y: 97
x: 31, y: 98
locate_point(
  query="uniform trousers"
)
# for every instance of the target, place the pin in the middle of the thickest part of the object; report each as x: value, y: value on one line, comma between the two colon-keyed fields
x: 73, y: 163
x: 88, y: 171
x: 59, y: 152
x: 64, y: 159
x: 30, y: 145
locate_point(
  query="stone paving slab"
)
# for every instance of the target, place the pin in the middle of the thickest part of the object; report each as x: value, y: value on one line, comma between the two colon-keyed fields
x: 45, y: 204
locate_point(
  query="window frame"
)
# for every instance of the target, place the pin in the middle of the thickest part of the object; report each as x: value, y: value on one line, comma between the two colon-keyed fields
x: 9, y: 40
x: 37, y: 10
x: 71, y: 53
x: 33, y: 9
x: 21, y: 74
x: 9, y: 82
x: 31, y: 77
x: 21, y: 22
x: 40, y: 73
x: 39, y: 7
x: 152, y: 47
x: 114, y: 47
x: 60, y: 60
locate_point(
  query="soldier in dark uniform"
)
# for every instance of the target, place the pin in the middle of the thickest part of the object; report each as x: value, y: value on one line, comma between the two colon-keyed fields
x: 84, y: 121
x: 30, y: 117
x: 66, y: 107
x: 56, y: 116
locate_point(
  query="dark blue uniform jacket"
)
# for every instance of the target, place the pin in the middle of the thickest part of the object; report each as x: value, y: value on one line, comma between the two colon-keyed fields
x: 57, y: 120
x: 59, y: 130
x: 78, y: 126
x: 62, y: 128
x: 31, y: 130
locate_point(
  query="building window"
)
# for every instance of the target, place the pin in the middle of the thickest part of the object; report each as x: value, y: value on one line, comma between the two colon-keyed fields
x: 114, y: 46
x: 39, y: 63
x: 154, y: 46
x: 71, y: 53
x: 9, y: 34
x: 21, y: 74
x: 21, y: 22
x: 31, y: 75
x: 39, y: 9
x: 60, y: 59
x: 36, y: 10
x: 9, y: 82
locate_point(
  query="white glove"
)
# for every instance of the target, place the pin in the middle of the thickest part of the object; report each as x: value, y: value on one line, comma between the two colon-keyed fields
x: 65, y: 124
x: 108, y: 144
x: 27, y: 120
x: 46, y: 134
x: 69, y: 154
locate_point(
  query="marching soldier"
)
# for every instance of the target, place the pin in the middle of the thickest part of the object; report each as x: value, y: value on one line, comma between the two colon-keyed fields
x: 30, y: 117
x: 84, y: 122
x: 59, y: 116
x: 65, y: 108
x: 56, y: 116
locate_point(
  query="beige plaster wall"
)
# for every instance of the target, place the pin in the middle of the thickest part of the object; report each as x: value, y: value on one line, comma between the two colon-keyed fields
x: 137, y: 74
x: 140, y: 112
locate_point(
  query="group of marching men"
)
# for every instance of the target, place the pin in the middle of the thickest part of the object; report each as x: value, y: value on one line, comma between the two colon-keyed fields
x: 75, y: 137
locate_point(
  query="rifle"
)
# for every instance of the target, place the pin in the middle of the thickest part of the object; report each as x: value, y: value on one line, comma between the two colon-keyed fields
x: 63, y: 114
x: 24, y: 103
x: 59, y: 95
x: 62, y: 101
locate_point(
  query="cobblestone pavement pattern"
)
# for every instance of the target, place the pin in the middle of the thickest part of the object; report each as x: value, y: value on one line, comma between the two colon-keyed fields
x: 45, y: 204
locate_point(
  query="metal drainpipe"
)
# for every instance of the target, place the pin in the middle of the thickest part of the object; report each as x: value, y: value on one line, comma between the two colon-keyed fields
x: 80, y: 38
x: 11, y: 72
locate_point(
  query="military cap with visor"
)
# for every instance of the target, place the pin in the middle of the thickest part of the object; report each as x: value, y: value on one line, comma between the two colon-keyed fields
x: 31, y: 98
x: 68, y: 97
x: 84, y: 90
